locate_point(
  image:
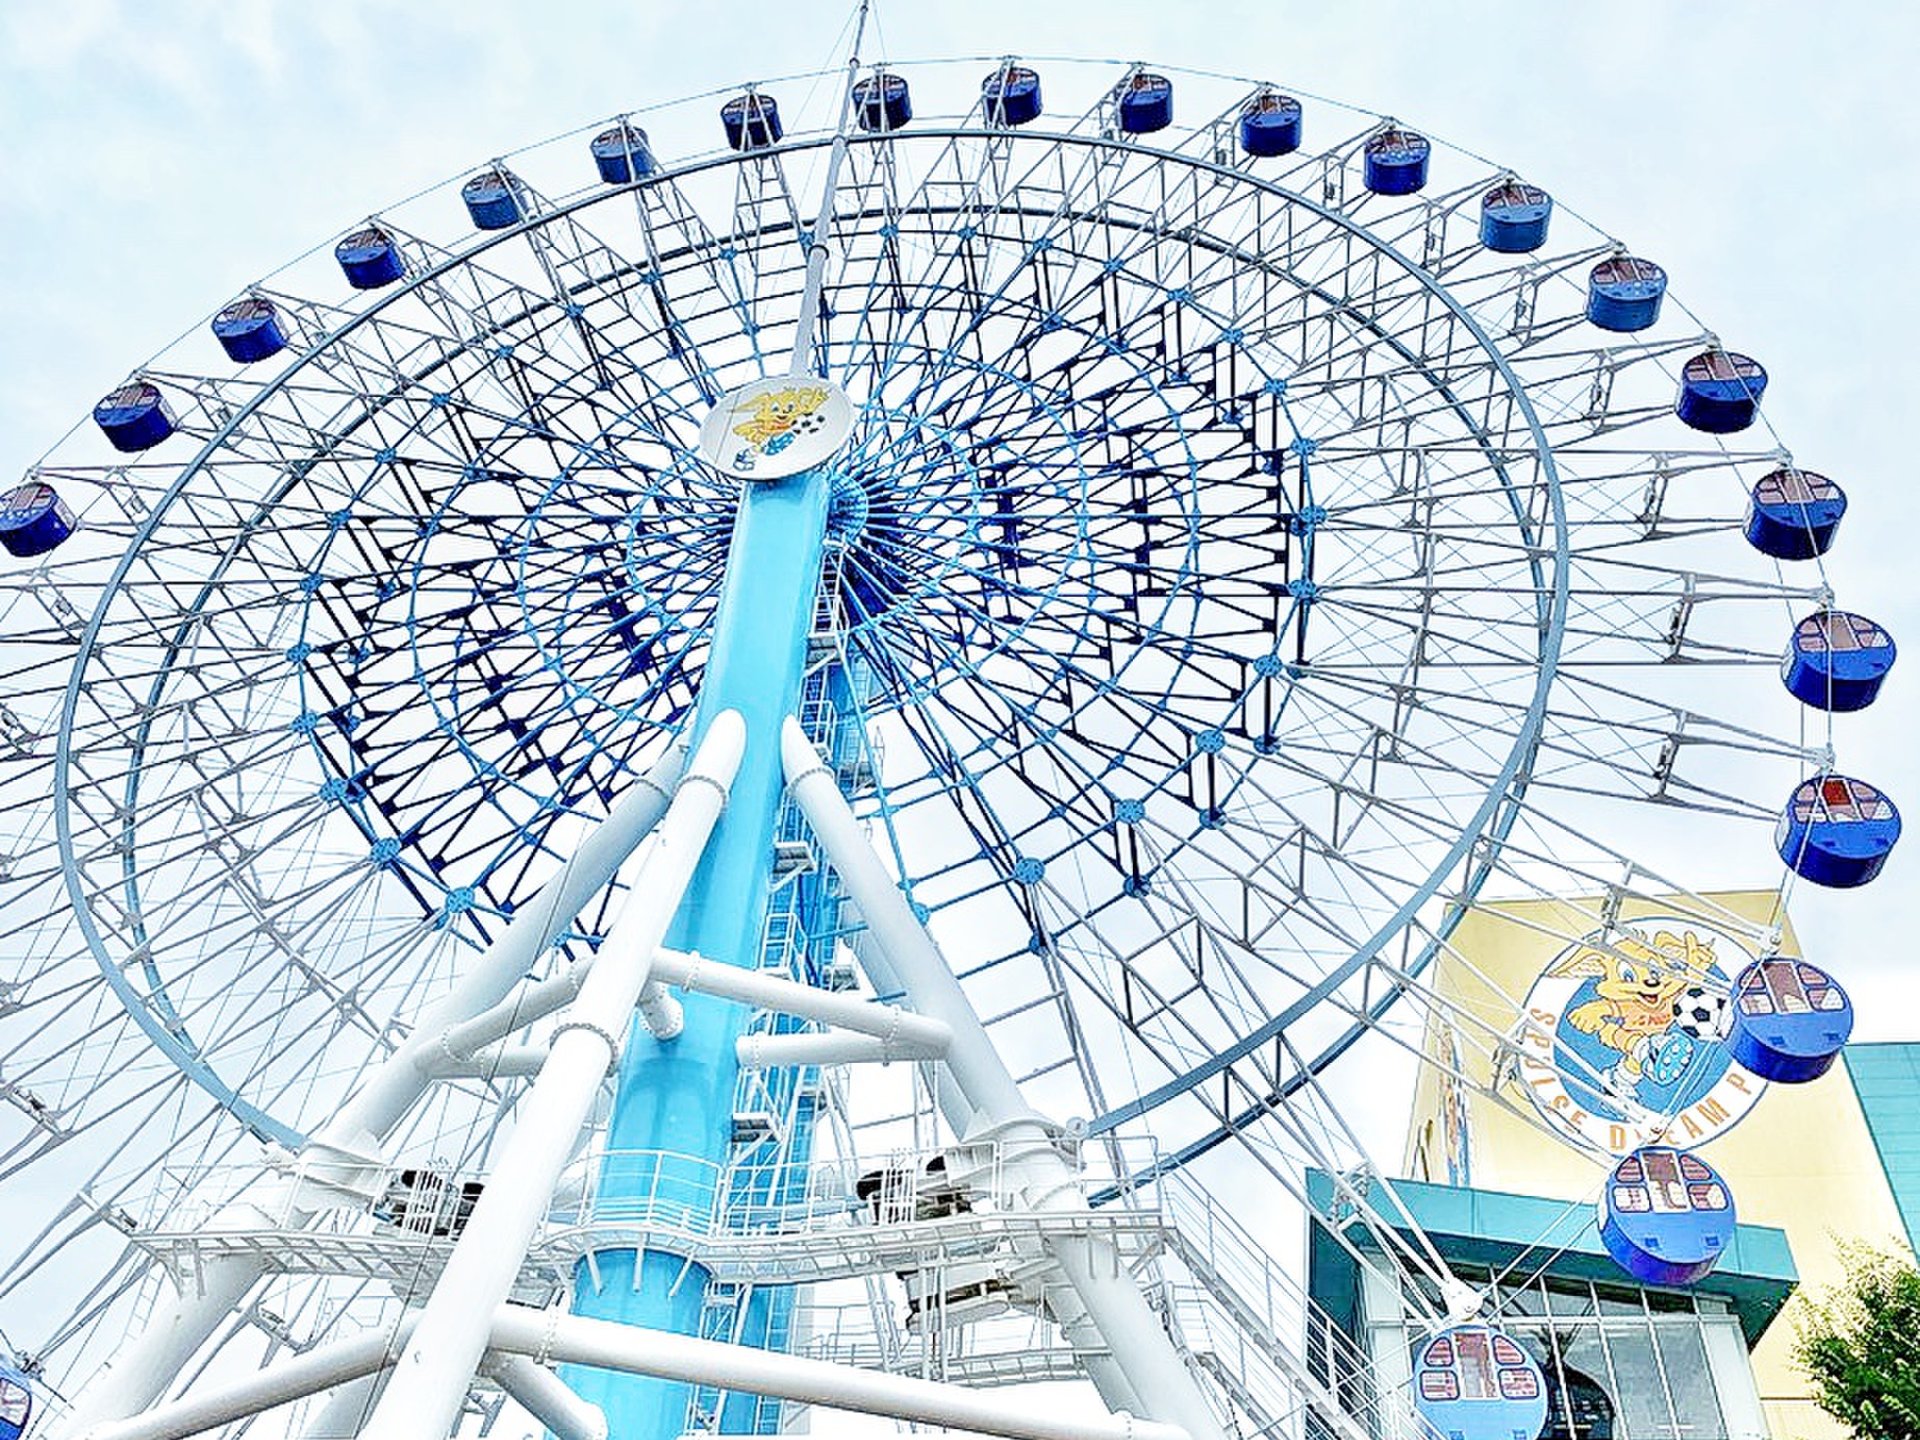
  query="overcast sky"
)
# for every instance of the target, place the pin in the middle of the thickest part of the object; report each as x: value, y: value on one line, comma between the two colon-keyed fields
x: 157, y: 158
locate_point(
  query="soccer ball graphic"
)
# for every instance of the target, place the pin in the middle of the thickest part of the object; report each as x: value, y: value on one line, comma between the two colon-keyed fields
x: 1699, y: 1013
x: 809, y: 423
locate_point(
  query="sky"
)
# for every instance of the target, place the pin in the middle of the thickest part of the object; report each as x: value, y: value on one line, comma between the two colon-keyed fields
x: 156, y: 159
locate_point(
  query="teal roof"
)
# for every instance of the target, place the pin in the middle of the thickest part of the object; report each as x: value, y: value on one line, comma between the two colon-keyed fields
x: 1886, y: 1077
x: 1533, y: 1235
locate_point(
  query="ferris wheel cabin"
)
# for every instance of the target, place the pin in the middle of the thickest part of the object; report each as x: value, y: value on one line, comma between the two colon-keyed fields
x: 1794, y: 514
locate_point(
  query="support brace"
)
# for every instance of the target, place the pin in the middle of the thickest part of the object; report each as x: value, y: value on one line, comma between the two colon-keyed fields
x: 548, y: 1398
x: 576, y: 1340
x: 462, y: 1045
x: 143, y: 1369
x: 432, y: 1376
x: 284, y: 1381
x: 1144, y: 1362
x: 789, y: 997
x: 517, y: 1331
x: 835, y: 1047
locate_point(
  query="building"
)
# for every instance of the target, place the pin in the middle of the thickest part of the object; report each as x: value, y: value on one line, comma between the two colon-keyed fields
x: 1506, y: 1155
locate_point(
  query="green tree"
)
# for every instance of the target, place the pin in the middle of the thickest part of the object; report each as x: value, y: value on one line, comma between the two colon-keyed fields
x: 1861, y: 1345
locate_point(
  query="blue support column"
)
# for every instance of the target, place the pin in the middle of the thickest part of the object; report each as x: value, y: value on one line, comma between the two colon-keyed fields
x: 671, y: 1127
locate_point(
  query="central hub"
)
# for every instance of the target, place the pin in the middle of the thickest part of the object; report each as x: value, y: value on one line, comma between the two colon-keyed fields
x: 770, y: 429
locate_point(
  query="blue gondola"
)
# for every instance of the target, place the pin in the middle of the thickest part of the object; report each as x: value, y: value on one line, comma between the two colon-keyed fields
x: 1011, y: 95
x: 752, y: 121
x: 494, y: 199
x: 1791, y: 1020
x: 249, y: 329
x: 1794, y: 514
x: 1396, y: 161
x: 1837, y: 660
x: 1720, y: 391
x: 1474, y: 1382
x: 1624, y: 294
x: 1513, y: 218
x: 1145, y: 104
x: 1270, y: 125
x: 621, y: 154
x: 370, y: 258
x: 1837, y: 831
x: 16, y: 1403
x: 33, y: 520
x: 1666, y: 1216
x: 882, y: 102
x: 134, y: 417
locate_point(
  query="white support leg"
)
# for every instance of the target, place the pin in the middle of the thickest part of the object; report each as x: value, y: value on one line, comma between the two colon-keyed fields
x: 948, y: 1095
x: 548, y: 1398
x: 277, y: 1384
x: 1141, y: 1349
x: 345, y: 1410
x: 379, y: 1105
x: 789, y: 997
x: 493, y: 1062
x: 573, y: 1339
x: 431, y: 1379
x: 835, y: 1047
x: 141, y: 1372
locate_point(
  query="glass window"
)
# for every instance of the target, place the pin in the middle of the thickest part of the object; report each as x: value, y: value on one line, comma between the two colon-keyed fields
x: 1683, y: 1355
x: 1379, y: 1294
x: 1584, y: 1404
x: 1534, y: 1339
x: 1523, y: 1299
x: 1636, y: 1373
x: 1570, y: 1297
x: 1669, y: 1302
x: 1733, y: 1379
x: 1616, y: 1300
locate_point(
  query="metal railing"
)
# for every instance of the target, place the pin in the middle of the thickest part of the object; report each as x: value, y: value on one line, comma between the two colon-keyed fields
x: 1245, y: 1320
x: 1250, y: 1323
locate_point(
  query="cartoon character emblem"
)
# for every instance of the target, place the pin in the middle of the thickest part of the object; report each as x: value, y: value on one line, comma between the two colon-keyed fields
x: 777, y: 419
x: 1621, y: 1040
x: 1636, y: 1011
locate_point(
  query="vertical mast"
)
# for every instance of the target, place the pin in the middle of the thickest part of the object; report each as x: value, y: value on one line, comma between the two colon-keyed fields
x: 671, y: 1128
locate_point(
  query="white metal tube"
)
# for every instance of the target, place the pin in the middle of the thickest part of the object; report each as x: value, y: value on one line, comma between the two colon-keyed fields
x: 276, y: 1384
x: 924, y: 975
x: 880, y: 973
x: 140, y: 1373
x: 535, y: 1002
x: 462, y: 1042
x: 835, y: 1047
x: 391, y: 1091
x: 431, y: 1379
x: 576, y: 1340
x: 1090, y: 1346
x: 548, y: 1398
x: 664, y: 1015
x: 1141, y: 1349
x: 491, y: 1062
x: 345, y: 1410
x: 790, y: 997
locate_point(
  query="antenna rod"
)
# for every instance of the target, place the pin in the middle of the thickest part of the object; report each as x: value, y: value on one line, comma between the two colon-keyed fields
x: 816, y: 245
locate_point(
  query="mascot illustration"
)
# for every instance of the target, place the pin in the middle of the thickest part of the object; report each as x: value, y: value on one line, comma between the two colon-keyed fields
x: 1650, y: 1004
x: 779, y: 417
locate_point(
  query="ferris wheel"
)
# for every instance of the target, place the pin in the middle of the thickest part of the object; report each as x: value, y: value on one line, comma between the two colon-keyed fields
x: 777, y: 755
